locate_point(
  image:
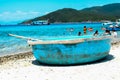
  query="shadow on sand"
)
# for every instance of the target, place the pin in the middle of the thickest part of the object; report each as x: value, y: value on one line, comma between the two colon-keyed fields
x: 107, y: 58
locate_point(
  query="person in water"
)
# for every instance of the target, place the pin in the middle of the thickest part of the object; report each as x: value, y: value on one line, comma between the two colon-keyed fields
x: 90, y: 29
x: 85, y: 29
x: 79, y: 33
x: 96, y: 33
x: 107, y: 32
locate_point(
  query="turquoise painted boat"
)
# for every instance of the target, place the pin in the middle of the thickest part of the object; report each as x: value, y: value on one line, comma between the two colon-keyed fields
x: 70, y: 50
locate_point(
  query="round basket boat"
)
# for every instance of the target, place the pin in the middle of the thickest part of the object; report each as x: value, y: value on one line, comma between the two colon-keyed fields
x: 70, y: 50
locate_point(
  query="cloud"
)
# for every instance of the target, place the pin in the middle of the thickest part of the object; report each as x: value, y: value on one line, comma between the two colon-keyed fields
x: 18, y: 15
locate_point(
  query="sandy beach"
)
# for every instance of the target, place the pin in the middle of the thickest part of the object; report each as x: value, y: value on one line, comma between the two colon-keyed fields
x: 27, y: 68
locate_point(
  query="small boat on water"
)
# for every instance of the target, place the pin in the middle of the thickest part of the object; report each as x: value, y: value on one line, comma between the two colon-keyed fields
x: 70, y: 50
x: 40, y: 22
x: 115, y: 27
x: 107, y: 22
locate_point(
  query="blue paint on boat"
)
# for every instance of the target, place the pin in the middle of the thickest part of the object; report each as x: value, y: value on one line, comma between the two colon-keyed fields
x: 88, y: 50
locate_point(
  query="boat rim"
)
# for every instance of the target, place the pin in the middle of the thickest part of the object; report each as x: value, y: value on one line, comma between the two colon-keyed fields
x: 70, y: 41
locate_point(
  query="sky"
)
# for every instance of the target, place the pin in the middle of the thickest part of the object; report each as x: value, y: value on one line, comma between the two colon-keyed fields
x: 15, y: 11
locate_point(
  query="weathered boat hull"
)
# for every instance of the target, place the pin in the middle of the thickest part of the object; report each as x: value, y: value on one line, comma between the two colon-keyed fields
x: 71, y: 53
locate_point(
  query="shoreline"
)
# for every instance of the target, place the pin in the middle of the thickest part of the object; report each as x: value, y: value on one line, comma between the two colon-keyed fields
x: 7, y: 58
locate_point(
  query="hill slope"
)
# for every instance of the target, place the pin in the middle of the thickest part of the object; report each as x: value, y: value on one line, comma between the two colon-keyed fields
x: 106, y: 12
x: 110, y: 9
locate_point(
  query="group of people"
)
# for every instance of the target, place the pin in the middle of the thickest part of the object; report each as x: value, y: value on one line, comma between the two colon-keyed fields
x: 107, y: 32
x: 84, y: 29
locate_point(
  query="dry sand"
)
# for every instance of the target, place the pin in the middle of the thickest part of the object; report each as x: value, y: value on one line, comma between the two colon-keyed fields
x: 30, y: 69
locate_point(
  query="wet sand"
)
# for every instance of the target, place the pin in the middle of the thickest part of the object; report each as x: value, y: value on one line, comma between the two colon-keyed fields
x: 24, y: 67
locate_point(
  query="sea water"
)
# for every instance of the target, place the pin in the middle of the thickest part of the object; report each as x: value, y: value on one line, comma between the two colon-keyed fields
x: 12, y: 45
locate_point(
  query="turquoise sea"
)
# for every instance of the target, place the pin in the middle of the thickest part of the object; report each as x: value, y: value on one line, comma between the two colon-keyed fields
x: 12, y: 45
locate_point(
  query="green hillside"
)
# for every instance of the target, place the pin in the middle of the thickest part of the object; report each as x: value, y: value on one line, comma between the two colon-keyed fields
x: 98, y: 13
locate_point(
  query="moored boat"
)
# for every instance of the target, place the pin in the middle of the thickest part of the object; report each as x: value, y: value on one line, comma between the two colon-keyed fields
x: 70, y: 50
x: 113, y: 29
x: 107, y: 23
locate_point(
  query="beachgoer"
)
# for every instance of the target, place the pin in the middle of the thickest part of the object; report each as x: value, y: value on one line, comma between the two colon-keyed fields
x: 90, y: 29
x: 85, y: 29
x: 70, y: 30
x: 79, y: 33
x: 114, y: 33
x: 107, y: 32
x: 96, y: 33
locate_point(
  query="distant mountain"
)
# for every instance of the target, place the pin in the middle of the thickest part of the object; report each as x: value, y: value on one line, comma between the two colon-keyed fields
x: 97, y: 13
x: 110, y: 9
